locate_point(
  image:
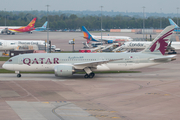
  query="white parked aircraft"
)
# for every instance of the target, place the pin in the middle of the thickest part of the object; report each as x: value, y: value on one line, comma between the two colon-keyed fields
x: 107, y: 39
x: 7, y: 45
x: 13, y: 44
x: 66, y: 64
x: 139, y: 45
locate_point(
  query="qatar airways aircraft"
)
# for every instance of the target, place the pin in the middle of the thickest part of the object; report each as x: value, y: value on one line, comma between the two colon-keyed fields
x: 107, y: 39
x: 66, y: 64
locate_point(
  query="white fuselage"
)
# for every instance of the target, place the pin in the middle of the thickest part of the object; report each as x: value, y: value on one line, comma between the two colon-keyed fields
x: 113, y: 38
x: 7, y: 45
x: 13, y: 44
x: 143, y: 45
x: 47, y: 62
x: 2, y: 28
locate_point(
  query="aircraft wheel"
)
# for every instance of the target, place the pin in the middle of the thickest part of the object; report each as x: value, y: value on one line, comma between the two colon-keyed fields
x: 91, y: 75
x: 18, y: 75
x: 86, y: 76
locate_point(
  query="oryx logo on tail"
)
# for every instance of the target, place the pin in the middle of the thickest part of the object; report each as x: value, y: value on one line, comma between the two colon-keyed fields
x: 161, y: 44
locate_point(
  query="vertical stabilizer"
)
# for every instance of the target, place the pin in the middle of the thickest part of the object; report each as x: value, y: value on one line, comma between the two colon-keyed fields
x: 160, y: 43
x: 87, y: 35
x: 44, y: 25
x: 173, y: 23
x: 32, y: 23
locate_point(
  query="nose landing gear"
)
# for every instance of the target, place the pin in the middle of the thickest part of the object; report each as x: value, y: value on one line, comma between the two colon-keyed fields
x: 18, y: 75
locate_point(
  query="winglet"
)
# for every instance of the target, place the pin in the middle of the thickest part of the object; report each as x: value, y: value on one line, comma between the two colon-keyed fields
x: 160, y: 43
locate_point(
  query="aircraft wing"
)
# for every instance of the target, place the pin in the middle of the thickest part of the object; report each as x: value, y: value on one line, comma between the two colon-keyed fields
x: 164, y: 58
x: 92, y: 63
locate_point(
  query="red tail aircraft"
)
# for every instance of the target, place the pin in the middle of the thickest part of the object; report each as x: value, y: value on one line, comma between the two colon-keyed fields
x: 27, y: 28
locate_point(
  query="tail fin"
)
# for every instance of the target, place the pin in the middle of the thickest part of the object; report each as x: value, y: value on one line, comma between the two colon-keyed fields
x: 173, y: 23
x: 31, y: 24
x: 160, y: 43
x: 45, y: 24
x: 87, y: 35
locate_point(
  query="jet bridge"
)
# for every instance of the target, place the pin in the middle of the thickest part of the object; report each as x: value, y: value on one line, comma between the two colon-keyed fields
x: 110, y: 47
x: 117, y: 49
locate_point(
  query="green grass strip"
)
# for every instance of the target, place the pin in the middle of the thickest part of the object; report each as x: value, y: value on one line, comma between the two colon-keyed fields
x: 4, y: 58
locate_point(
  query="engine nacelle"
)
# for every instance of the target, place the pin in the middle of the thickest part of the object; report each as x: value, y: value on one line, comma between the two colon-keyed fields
x: 63, y: 70
x: 110, y: 41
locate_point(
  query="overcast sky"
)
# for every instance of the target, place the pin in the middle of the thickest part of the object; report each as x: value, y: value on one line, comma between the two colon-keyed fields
x: 167, y: 6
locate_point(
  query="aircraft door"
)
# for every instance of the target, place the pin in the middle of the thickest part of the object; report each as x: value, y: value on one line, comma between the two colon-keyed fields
x: 5, y: 44
x: 101, y: 58
x: 20, y: 61
x: 136, y: 59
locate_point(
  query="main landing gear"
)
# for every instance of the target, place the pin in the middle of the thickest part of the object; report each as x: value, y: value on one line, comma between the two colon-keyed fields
x: 91, y: 75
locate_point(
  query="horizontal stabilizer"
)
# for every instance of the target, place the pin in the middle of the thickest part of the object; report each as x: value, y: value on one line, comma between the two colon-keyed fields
x: 164, y: 58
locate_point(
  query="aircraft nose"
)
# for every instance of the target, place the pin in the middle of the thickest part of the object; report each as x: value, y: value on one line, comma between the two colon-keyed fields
x: 4, y: 66
x: 7, y: 66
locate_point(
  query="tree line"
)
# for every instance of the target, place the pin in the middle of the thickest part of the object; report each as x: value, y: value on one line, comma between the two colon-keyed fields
x: 72, y: 21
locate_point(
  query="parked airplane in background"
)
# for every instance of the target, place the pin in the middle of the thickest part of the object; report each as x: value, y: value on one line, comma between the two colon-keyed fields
x: 12, y: 30
x: 13, y: 44
x: 177, y: 28
x: 7, y: 45
x: 140, y: 45
x: 66, y: 64
x: 44, y: 27
x: 107, y: 39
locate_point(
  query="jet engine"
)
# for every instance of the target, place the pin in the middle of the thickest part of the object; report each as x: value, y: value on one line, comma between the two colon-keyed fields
x: 63, y: 70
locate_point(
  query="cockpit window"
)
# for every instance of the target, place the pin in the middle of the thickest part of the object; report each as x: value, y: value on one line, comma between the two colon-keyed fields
x: 12, y: 43
x: 10, y: 60
x: 0, y: 43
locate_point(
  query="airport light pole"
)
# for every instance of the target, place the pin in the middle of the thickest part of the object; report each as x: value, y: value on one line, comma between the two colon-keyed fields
x: 143, y: 22
x: 177, y: 14
x: 5, y: 15
x: 161, y: 19
x: 47, y: 50
x: 101, y: 24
